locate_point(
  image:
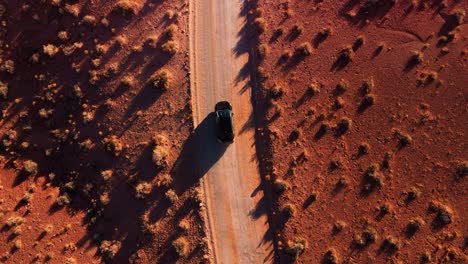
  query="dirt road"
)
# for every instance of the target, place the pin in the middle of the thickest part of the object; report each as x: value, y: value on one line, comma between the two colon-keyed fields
x: 237, y: 222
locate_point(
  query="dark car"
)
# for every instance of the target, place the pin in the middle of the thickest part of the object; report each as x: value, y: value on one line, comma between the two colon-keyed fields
x: 224, y: 122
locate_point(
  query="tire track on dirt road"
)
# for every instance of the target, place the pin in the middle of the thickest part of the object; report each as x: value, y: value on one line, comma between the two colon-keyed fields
x: 236, y: 214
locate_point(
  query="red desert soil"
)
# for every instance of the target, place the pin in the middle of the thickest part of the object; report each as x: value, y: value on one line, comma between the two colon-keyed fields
x: 95, y: 104
x: 361, y: 107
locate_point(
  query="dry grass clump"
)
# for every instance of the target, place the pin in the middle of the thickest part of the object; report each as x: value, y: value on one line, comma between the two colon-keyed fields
x: 297, y: 29
x: 303, y: 50
x: 367, y: 237
x: 50, y: 50
x: 260, y: 25
x: 161, y: 79
x: 8, y: 66
x: 404, y: 139
x: 121, y: 41
x: 171, y: 47
x: 277, y: 90
x: 296, y: 247
x: 341, y: 87
x: 347, y: 54
x: 324, y: 32
x: 313, y: 89
x: 160, y: 154
x: 128, y: 7
x: 343, y: 126
x: 444, y: 214
x: 108, y: 249
x: 70, y: 247
x: 171, y: 30
x: 338, y: 226
x: 289, y: 210
x: 106, y: 174
x: 89, y: 20
x: 366, y: 102
x: 330, y: 257
x: 414, y: 226
x: 17, y: 245
x: 391, y: 245
x: 359, y: 42
x: 3, y: 90
x: 164, y: 180
x: 63, y: 200
x: 263, y: 51
x: 113, y: 144
x: 14, y: 221
x: 143, y: 189
x: 30, y: 167
x: 171, y: 195
x: 372, y: 180
x: 63, y: 35
x: 180, y: 246
x: 367, y: 86
x: 461, y: 169
x: 280, y: 186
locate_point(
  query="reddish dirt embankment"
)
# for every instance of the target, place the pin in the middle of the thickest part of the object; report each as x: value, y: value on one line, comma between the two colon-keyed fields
x: 364, y: 107
x: 84, y: 88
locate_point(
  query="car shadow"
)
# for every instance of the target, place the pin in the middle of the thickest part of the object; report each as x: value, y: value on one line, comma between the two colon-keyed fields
x: 199, y: 153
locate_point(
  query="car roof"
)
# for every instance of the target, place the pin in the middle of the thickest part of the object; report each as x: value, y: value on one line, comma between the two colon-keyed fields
x: 224, y: 113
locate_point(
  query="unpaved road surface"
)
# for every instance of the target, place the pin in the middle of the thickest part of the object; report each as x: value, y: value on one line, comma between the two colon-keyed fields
x: 236, y: 219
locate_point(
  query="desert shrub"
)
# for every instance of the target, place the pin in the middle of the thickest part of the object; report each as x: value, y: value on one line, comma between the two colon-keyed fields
x: 296, y: 247
x: 324, y: 32
x: 143, y: 189
x: 171, y: 195
x: 63, y: 200
x: 278, y: 32
x: 108, y: 249
x: 414, y: 226
x: 106, y: 174
x: 180, y: 246
x: 47, y: 229
x: 128, y: 7
x: 14, y: 221
x: 347, y: 54
x: 170, y: 30
x: 391, y: 245
x: 121, y: 40
x: 339, y: 102
x: 338, y: 226
x: 297, y: 30
x: 458, y: 15
x: 277, y: 90
x: 160, y: 154
x: 50, y: 50
x: 113, y: 144
x: 303, y: 50
x: 372, y: 180
x: 73, y: 10
x: 343, y: 125
x: 367, y: 237
x: 164, y: 180
x: 280, y: 186
x: 313, y: 89
x: 89, y: 20
x: 366, y: 102
x: 341, y: 87
x: 17, y: 245
x: 263, y: 51
x: 416, y: 57
x: 104, y: 198
x: 323, y: 129
x: 403, y: 138
x: 3, y: 90
x: 289, y: 210
x: 367, y: 86
x: 30, y: 167
x: 444, y: 214
x: 330, y: 257
x: 8, y: 66
x: 461, y: 169
x: 70, y: 247
x: 171, y: 47
x: 260, y: 25
x: 161, y: 79
x: 63, y: 35
x: 359, y: 42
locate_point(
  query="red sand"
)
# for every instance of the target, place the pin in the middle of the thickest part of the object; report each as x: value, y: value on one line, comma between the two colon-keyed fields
x: 431, y: 114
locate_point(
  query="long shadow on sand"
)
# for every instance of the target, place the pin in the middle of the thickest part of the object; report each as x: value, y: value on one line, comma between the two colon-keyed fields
x: 199, y: 153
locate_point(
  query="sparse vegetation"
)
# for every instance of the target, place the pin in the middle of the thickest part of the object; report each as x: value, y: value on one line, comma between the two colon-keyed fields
x: 296, y: 247
x: 128, y: 7
x: 108, y: 249
x: 303, y: 50
x: 259, y: 25
x: 113, y: 144
x: 280, y: 186
x: 161, y: 79
x: 180, y: 246
x: 367, y: 237
x: 170, y: 47
x: 143, y: 189
x: 289, y: 210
